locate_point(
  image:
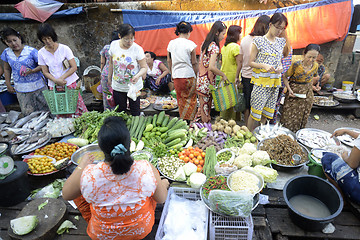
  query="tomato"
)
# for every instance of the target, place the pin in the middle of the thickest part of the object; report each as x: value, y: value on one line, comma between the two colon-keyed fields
x: 203, y: 154
x: 196, y: 162
x: 186, y: 159
x: 182, y: 157
x: 190, y: 148
x: 199, y: 168
x: 199, y: 157
x: 191, y: 156
x: 196, y: 153
x: 180, y: 154
x: 202, y: 162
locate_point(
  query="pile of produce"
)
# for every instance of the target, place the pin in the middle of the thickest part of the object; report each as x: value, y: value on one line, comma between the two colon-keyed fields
x: 41, y: 165
x: 282, y: 148
x: 88, y: 125
x: 193, y: 155
x: 60, y: 126
x: 243, y: 180
x: 58, y: 150
x: 216, y: 182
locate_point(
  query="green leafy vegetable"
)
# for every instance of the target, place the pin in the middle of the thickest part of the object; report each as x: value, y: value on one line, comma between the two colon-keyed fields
x: 65, y: 227
x: 24, y: 225
x: 42, y: 205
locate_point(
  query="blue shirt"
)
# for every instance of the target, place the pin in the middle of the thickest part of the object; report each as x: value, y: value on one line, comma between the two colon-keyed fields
x: 29, y: 58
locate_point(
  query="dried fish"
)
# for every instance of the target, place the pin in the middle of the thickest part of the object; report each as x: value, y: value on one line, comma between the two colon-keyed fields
x: 282, y: 148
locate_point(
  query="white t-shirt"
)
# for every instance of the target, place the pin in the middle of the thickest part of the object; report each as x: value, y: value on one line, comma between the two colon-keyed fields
x: 245, y: 49
x: 55, y: 63
x: 125, y: 65
x: 180, y: 50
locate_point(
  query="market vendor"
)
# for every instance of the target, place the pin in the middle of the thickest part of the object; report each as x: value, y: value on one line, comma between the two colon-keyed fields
x: 117, y: 197
x: 21, y: 61
x: 322, y: 75
x: 344, y: 172
x: 157, y: 78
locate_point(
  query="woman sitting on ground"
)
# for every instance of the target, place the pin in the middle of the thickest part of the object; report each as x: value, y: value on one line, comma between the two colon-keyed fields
x: 117, y: 197
x: 344, y: 172
x: 157, y: 78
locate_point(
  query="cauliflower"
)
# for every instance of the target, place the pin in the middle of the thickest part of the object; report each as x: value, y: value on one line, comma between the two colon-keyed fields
x: 248, y: 148
x: 268, y: 174
x: 260, y: 158
x: 243, y: 160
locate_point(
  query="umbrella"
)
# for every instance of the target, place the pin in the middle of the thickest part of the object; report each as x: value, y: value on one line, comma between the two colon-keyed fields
x: 39, y: 10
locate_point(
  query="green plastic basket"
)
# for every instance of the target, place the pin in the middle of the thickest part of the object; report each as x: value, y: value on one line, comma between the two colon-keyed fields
x: 62, y: 102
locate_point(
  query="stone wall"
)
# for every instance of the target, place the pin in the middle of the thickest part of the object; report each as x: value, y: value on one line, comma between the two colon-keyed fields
x: 87, y: 33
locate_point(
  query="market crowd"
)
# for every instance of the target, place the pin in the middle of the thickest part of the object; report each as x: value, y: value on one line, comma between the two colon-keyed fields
x: 260, y: 66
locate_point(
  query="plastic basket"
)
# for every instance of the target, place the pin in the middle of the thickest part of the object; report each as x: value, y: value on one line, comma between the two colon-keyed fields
x: 230, y: 228
x: 188, y: 193
x: 64, y: 102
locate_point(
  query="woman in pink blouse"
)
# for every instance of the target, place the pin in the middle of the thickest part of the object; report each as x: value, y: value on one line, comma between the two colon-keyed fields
x: 58, y: 63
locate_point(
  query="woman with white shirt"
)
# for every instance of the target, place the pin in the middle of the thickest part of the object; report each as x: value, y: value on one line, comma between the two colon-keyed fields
x: 157, y: 77
x: 126, y: 66
x: 58, y: 64
x: 183, y: 65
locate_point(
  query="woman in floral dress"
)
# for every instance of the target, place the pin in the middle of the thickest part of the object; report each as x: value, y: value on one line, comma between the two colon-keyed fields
x: 118, y: 196
x: 104, y: 66
x: 296, y: 110
x: 210, y: 51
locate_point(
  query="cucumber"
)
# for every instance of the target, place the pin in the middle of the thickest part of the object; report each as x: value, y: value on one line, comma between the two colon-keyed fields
x: 163, y: 129
x: 160, y: 118
x: 140, y: 125
x: 154, y: 120
x: 173, y: 142
x: 174, y: 136
x: 172, y: 122
x: 171, y: 132
x: 134, y: 126
x: 180, y: 124
x: 165, y: 121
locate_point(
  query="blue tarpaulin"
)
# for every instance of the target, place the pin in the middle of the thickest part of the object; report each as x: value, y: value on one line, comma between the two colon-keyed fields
x: 59, y: 14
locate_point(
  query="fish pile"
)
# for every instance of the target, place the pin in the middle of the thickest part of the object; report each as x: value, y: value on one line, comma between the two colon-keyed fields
x: 25, y: 134
x: 268, y: 130
x: 315, y: 138
x: 29, y: 142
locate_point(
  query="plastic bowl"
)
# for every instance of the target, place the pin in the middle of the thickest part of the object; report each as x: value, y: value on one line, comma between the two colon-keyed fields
x: 260, y: 178
x: 318, y: 188
x: 227, y: 150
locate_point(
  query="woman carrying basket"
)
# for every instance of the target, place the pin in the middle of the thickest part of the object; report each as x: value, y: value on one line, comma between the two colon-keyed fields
x: 58, y: 64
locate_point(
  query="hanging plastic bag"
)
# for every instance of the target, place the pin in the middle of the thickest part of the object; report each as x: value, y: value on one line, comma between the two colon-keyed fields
x: 231, y: 203
x: 134, y: 89
x: 240, y: 105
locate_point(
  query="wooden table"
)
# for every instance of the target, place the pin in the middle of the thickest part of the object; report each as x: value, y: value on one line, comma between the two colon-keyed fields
x: 271, y: 221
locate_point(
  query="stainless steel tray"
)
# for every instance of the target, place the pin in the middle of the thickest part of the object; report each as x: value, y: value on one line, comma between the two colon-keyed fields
x: 314, y: 138
x: 281, y: 130
x: 75, y: 158
x: 346, y: 139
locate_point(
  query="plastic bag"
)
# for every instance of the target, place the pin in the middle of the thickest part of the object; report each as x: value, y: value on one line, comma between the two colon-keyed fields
x: 134, y: 90
x: 240, y: 105
x: 224, y: 168
x: 231, y: 203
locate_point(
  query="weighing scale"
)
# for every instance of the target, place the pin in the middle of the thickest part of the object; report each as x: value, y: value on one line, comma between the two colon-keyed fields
x: 6, y: 162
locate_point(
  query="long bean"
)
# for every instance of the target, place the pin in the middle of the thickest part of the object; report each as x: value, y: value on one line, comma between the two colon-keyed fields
x: 210, y: 162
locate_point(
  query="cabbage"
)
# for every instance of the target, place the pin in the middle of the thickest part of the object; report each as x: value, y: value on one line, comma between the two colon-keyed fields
x: 189, y: 168
x: 267, y: 173
x: 248, y: 148
x: 260, y: 158
x: 24, y: 225
x: 196, y: 180
x: 243, y: 160
x: 65, y: 227
x: 180, y: 174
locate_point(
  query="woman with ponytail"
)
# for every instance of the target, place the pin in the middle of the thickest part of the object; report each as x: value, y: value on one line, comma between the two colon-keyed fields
x: 118, y: 196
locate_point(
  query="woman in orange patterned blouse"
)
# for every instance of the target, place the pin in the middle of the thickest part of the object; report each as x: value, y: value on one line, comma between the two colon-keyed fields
x: 120, y: 193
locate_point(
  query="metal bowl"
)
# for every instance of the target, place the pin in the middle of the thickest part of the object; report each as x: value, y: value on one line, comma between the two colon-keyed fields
x: 92, y: 148
x: 344, y: 97
x: 288, y: 168
x: 260, y: 178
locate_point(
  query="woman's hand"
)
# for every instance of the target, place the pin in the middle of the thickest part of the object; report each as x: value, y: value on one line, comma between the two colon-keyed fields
x: 237, y: 81
x: 134, y: 80
x: 339, y: 132
x: 87, y: 159
x: 269, y: 68
x: 279, y: 70
x: 157, y: 82
x: 165, y: 183
x: 291, y: 93
x: 10, y: 88
x: 224, y: 78
x: 28, y: 71
x: 60, y: 81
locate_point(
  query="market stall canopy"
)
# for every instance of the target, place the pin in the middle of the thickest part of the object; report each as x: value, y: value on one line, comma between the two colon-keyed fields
x: 316, y: 22
x: 63, y: 13
x: 39, y: 10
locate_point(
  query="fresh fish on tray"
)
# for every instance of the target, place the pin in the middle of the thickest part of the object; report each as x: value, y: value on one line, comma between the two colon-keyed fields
x: 24, y: 120
x: 35, y: 140
x: 314, y: 138
x: 18, y: 131
x: 12, y: 116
